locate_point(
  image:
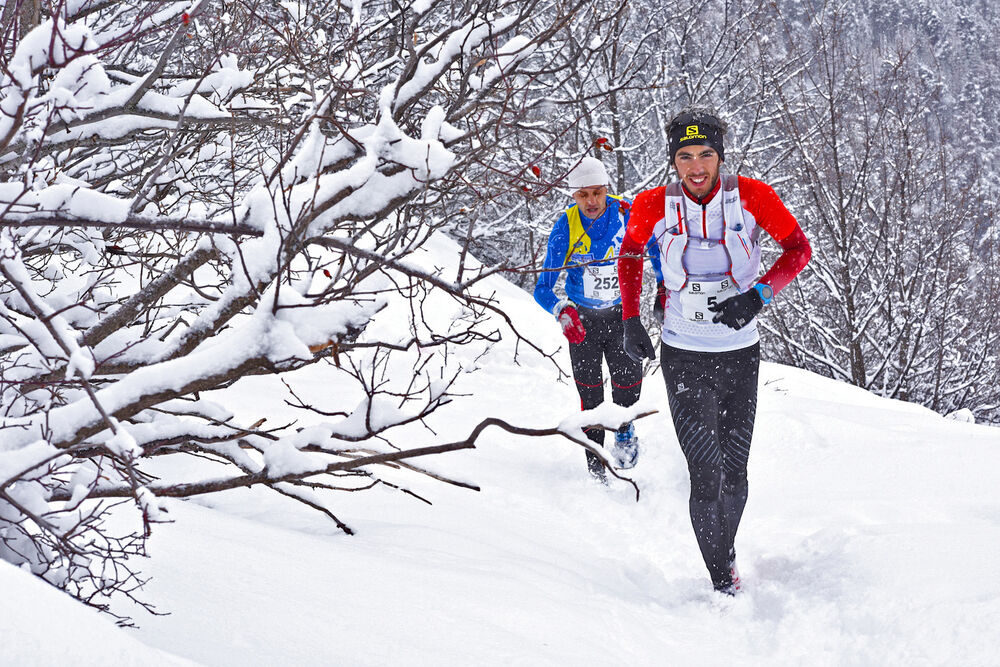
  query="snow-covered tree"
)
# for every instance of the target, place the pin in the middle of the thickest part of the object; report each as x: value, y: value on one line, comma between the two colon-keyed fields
x: 899, y: 297
x: 194, y: 192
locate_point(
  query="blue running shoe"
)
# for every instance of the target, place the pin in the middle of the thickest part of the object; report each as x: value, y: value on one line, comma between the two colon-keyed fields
x: 626, y: 449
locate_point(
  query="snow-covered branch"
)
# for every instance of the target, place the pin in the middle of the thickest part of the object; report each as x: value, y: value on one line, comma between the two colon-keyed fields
x: 192, y: 194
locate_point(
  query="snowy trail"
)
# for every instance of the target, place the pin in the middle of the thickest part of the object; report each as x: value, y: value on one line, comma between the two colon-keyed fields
x: 869, y: 537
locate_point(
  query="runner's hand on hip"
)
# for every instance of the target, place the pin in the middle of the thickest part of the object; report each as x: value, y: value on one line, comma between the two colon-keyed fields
x: 637, y: 344
x: 737, y: 311
x: 572, y: 327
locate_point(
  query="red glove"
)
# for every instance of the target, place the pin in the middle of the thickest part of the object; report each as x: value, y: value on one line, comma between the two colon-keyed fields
x: 573, y: 329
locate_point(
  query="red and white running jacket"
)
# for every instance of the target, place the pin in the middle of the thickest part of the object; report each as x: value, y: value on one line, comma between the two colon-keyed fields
x: 713, y: 238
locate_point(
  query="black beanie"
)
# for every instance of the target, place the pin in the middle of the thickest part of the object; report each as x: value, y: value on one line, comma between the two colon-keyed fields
x: 696, y: 128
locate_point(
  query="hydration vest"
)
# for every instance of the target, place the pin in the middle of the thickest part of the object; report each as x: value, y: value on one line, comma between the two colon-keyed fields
x: 740, y: 239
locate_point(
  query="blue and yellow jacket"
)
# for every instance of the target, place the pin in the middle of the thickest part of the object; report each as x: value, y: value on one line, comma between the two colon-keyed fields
x: 575, y: 240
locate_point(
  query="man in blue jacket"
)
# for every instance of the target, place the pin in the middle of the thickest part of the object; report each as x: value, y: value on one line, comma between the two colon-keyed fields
x: 585, y: 242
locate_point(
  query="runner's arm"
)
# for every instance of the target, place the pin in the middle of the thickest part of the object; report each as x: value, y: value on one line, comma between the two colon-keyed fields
x: 555, y: 257
x: 653, y: 250
x: 772, y: 215
x: 647, y: 209
x: 792, y: 261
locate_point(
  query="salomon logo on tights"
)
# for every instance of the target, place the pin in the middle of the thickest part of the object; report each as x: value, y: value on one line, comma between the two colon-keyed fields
x: 681, y: 388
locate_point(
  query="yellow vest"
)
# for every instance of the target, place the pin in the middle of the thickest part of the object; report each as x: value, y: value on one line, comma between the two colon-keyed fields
x: 579, y: 241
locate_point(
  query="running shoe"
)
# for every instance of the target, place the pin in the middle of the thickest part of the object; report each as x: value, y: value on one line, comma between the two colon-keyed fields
x: 626, y: 449
x: 734, y: 571
x: 596, y: 469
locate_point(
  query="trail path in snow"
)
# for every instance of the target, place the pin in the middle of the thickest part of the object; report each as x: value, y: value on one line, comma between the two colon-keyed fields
x: 869, y: 538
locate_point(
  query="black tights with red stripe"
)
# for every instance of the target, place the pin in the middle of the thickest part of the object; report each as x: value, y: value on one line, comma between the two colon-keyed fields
x: 603, y: 341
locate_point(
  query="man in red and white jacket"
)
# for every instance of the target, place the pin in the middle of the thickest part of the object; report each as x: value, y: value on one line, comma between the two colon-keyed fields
x: 707, y: 227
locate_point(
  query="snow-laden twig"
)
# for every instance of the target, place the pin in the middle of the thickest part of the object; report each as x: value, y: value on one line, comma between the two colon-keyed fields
x: 266, y: 478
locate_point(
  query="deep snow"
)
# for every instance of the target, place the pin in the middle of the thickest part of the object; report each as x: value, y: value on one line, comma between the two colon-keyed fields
x: 870, y: 537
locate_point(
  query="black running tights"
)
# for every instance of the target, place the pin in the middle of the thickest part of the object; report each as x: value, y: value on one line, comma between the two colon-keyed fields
x: 605, y: 334
x: 713, y: 398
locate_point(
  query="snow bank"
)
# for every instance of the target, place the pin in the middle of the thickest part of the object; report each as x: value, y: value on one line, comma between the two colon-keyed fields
x: 42, y: 626
x: 869, y: 538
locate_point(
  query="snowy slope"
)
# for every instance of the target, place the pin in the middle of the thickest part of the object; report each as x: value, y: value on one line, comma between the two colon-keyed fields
x: 41, y: 626
x: 870, y: 537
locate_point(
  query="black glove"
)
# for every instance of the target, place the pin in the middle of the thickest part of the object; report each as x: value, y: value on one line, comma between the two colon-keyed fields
x: 659, y: 305
x: 737, y: 311
x: 637, y: 344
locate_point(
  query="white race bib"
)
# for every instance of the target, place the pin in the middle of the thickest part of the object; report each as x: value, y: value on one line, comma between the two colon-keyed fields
x: 600, y: 283
x: 698, y: 295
